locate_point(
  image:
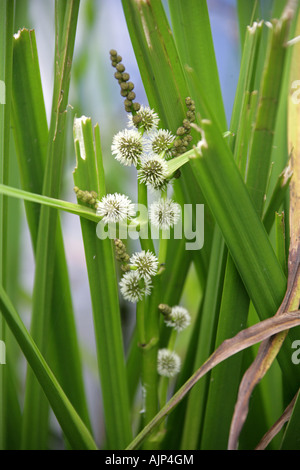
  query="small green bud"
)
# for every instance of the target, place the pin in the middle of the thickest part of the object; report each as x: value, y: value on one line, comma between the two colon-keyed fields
x: 118, y: 75
x: 120, y: 68
x: 113, y: 52
x: 130, y: 86
x: 165, y: 309
x: 125, y: 77
x: 89, y: 197
x: 186, y: 124
x: 125, y: 267
x: 131, y: 95
x: 127, y: 103
x: 190, y: 115
x: 180, y: 131
x: 121, y: 253
x: 136, y: 119
x: 136, y: 106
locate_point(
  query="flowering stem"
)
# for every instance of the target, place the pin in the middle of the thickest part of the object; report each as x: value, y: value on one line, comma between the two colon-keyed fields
x: 163, y: 245
x: 172, y: 339
x: 142, y: 194
x: 164, y: 381
x: 146, y: 243
x: 140, y: 321
x: 163, y: 395
x: 149, y: 360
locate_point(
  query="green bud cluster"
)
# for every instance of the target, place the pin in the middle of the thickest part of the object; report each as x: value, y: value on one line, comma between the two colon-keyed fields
x: 165, y: 310
x: 89, y: 197
x: 184, y: 132
x: 121, y: 254
x: 126, y: 86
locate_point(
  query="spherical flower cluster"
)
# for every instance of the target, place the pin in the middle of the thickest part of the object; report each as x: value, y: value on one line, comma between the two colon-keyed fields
x: 160, y: 142
x: 145, y: 147
x: 136, y: 282
x: 164, y: 213
x: 128, y: 147
x: 179, y: 319
x: 115, y: 208
x: 145, y: 118
x: 153, y: 172
x: 133, y: 287
x: 168, y: 363
x: 145, y: 263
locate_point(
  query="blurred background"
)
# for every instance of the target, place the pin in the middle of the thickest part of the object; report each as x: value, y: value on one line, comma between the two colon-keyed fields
x: 95, y: 93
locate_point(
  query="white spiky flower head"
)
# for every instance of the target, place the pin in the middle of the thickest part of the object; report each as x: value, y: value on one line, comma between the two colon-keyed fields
x: 133, y: 287
x: 160, y: 141
x: 145, y: 263
x: 164, y: 213
x: 179, y: 319
x: 128, y: 147
x: 168, y: 363
x: 146, y: 119
x: 115, y: 208
x: 154, y: 172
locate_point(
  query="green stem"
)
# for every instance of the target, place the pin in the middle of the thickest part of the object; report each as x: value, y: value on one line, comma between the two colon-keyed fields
x: 172, y: 340
x: 6, y: 47
x: 163, y: 246
x: 164, y: 381
x: 140, y: 321
x: 163, y: 395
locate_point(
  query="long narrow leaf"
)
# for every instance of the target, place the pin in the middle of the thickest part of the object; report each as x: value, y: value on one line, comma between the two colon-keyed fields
x: 191, y: 26
x: 74, y: 428
x: 31, y: 136
x: 6, y: 26
x: 89, y: 174
x: 35, y: 426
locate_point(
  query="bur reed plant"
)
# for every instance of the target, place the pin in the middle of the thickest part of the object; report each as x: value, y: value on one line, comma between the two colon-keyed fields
x: 213, y: 359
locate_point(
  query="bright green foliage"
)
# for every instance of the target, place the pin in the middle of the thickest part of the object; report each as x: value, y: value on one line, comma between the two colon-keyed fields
x: 234, y: 285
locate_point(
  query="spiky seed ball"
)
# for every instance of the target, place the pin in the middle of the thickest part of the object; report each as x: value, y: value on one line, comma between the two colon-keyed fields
x: 161, y: 141
x: 149, y: 121
x: 145, y: 263
x: 153, y: 172
x: 115, y: 208
x: 179, y: 318
x: 128, y: 147
x: 133, y: 288
x: 164, y: 213
x: 168, y: 363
